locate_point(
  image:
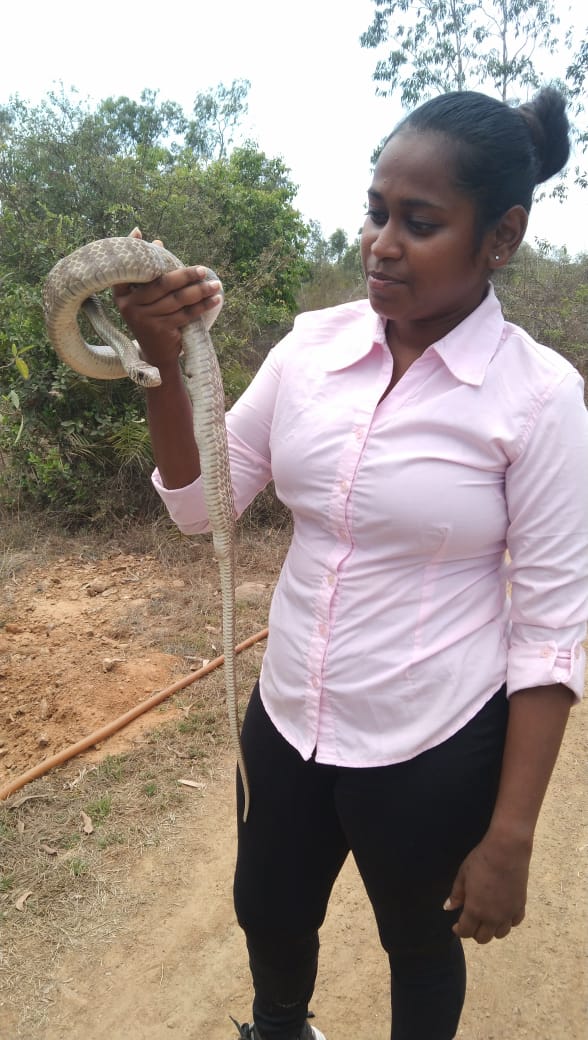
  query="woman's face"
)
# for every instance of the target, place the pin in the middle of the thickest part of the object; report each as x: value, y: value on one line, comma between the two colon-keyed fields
x: 423, y: 265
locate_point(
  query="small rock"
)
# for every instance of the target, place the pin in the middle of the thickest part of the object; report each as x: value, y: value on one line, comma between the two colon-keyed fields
x: 43, y: 740
x: 250, y: 592
x: 44, y: 708
x: 97, y: 586
x: 109, y: 663
x: 13, y: 628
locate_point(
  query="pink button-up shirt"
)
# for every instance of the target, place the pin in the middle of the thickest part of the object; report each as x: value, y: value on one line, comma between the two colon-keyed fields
x: 390, y: 626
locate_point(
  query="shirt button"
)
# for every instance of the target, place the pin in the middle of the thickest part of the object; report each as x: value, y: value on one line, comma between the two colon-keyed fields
x: 546, y: 652
x: 331, y: 579
x: 315, y: 682
x: 358, y: 432
x: 344, y: 485
x: 322, y: 629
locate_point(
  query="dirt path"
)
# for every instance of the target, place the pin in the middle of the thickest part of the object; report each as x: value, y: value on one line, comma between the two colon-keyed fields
x: 175, y: 965
x: 179, y: 968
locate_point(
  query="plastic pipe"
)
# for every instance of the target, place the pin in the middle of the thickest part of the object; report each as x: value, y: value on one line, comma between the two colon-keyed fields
x: 123, y: 720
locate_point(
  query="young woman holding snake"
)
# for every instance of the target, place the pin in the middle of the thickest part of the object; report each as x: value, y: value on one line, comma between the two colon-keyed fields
x: 408, y: 710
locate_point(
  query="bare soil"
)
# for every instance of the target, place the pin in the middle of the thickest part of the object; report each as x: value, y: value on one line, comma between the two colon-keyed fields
x: 128, y: 931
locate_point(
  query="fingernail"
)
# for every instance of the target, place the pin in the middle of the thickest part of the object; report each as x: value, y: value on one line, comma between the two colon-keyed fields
x: 447, y: 904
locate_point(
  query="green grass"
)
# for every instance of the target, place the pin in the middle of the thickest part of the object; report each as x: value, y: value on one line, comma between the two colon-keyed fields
x: 78, y: 867
x: 99, y: 810
x: 113, y: 767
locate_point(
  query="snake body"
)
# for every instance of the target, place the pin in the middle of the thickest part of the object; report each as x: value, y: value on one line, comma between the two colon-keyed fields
x: 72, y: 285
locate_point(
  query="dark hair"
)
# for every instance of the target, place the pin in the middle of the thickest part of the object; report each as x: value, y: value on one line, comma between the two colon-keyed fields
x: 501, y: 152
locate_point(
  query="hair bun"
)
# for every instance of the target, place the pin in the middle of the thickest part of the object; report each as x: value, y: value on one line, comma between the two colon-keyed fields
x: 548, y: 125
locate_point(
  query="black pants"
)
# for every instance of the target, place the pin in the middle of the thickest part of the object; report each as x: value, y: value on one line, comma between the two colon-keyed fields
x: 409, y: 827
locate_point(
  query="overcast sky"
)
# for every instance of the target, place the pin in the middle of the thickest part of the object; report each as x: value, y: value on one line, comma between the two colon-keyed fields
x: 312, y: 99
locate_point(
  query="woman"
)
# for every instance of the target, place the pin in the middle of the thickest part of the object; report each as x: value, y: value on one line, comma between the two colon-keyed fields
x: 407, y: 711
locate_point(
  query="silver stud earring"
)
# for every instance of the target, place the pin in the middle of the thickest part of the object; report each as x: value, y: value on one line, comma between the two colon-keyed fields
x: 497, y: 258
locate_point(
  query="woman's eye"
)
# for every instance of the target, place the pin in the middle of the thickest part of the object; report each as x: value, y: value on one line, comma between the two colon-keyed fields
x: 377, y: 217
x: 421, y: 227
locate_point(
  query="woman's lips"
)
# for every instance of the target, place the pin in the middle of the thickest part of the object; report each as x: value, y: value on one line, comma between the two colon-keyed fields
x: 378, y: 280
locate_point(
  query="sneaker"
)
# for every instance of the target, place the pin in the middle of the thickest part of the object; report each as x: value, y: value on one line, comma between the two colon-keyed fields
x: 247, y: 1032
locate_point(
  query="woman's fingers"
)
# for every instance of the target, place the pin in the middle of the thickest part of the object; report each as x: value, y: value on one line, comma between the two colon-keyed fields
x: 171, y: 292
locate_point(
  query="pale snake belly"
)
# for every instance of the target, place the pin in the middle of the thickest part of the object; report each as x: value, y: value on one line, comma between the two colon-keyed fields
x: 72, y: 285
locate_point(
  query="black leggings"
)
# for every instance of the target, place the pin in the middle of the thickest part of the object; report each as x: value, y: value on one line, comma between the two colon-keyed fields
x: 409, y: 827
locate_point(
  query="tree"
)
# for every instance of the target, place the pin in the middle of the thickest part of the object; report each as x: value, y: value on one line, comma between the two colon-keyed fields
x: 442, y: 45
x: 496, y: 46
x: 335, y: 272
x: 217, y: 115
x: 69, y: 174
x: 514, y: 29
x: 575, y: 79
x: 338, y: 244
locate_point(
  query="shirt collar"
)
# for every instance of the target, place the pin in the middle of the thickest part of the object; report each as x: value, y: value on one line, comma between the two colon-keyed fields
x: 355, y: 339
x: 466, y: 351
x: 469, y: 348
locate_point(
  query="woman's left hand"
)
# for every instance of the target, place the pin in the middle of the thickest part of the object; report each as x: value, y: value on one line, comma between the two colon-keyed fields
x: 491, y: 889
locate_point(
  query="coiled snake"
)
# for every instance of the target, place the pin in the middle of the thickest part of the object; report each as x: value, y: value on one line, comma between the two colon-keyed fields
x: 70, y: 286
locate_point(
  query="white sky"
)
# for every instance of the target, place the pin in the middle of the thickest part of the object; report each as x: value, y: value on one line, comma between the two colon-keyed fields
x: 312, y: 99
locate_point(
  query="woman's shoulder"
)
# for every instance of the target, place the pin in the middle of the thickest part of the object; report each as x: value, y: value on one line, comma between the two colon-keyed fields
x: 538, y: 364
x: 338, y: 317
x: 331, y: 337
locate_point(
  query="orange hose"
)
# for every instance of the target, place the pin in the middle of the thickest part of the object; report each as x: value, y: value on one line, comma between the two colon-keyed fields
x: 123, y: 720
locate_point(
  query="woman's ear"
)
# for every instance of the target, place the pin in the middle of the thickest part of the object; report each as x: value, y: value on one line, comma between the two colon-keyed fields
x: 507, y: 236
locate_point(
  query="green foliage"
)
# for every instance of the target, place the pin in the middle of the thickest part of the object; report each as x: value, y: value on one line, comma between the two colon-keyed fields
x: 78, y: 867
x: 7, y: 882
x: 217, y: 115
x: 112, y: 767
x: 79, y: 448
x: 99, y: 810
x: 70, y: 174
x: 442, y: 45
x: 335, y: 273
x: 546, y: 292
x: 434, y: 46
x: 575, y: 80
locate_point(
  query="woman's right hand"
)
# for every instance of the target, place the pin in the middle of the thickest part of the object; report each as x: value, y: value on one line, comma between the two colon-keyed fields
x: 157, y: 311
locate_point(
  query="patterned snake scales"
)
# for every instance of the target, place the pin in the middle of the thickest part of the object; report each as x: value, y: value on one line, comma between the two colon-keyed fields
x: 72, y: 285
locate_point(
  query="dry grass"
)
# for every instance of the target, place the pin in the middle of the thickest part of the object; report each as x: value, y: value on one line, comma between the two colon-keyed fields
x: 76, y: 881
x: 59, y: 886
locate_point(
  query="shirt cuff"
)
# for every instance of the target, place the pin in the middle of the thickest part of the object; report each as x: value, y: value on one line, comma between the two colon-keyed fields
x: 541, y: 664
x: 185, y: 505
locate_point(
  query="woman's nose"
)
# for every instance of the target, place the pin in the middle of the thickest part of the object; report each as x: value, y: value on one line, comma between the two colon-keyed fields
x: 387, y: 242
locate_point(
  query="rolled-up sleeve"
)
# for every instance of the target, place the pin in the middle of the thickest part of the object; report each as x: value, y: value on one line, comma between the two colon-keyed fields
x: 547, y: 499
x: 248, y: 431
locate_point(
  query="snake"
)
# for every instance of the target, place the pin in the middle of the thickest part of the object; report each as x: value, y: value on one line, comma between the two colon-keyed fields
x: 72, y: 286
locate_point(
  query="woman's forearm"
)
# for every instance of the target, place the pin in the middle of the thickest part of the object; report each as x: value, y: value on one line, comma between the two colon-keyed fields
x: 169, y: 414
x: 536, y: 725
x: 491, y: 884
